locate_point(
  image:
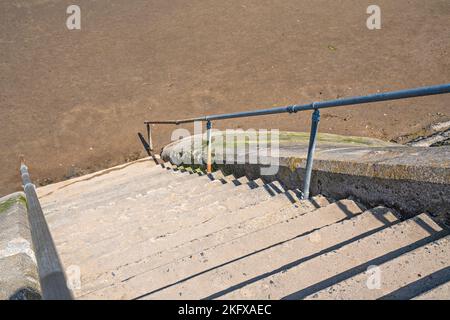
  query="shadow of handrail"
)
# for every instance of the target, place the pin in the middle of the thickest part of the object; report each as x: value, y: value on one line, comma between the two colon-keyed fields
x: 420, y: 286
x: 301, y: 294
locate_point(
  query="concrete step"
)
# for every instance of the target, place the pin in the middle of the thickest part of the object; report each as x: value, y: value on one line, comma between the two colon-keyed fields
x: 96, y: 192
x: 441, y: 292
x: 401, y: 278
x: 130, y: 182
x: 157, y: 222
x: 238, y: 247
x: 172, y: 190
x: 246, y: 221
x: 85, y: 205
x: 191, y: 170
x: 166, y: 211
x: 178, y: 189
x: 304, y: 279
x: 107, y: 227
x: 273, y: 259
x: 276, y: 187
x: 193, y: 185
x: 114, y: 175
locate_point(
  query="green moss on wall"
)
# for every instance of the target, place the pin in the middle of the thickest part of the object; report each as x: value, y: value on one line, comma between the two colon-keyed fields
x: 5, y: 205
x: 287, y: 137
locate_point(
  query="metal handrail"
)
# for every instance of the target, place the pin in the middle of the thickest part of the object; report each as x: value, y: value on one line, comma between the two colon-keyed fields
x: 315, y: 106
x: 51, y: 273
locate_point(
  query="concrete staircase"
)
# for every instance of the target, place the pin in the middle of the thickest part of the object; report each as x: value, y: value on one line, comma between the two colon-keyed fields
x: 148, y: 232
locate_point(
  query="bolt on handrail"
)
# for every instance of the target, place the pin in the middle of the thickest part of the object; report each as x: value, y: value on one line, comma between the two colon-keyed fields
x: 315, y: 106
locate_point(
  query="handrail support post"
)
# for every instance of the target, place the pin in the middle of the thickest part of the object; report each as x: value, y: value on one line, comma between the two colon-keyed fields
x: 149, y: 136
x: 311, y: 148
x: 209, y: 147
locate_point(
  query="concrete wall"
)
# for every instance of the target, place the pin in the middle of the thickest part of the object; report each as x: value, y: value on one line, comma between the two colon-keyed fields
x: 412, y: 180
x: 19, y: 278
x: 409, y: 197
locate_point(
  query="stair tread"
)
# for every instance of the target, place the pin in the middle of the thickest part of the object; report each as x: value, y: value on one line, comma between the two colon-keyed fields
x: 258, y: 239
x: 235, y: 226
x: 148, y: 236
x: 96, y: 192
x: 178, y: 187
x: 441, y: 292
x: 401, y: 278
x: 124, y: 170
x: 277, y: 258
x: 147, y: 231
x: 169, y: 212
x: 140, y: 176
x: 304, y: 280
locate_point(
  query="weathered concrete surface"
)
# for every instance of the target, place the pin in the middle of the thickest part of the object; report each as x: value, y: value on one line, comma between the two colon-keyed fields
x: 410, y: 179
x: 18, y: 270
x: 440, y: 293
x: 143, y: 231
x: 422, y: 269
x: 116, y: 224
x: 321, y: 271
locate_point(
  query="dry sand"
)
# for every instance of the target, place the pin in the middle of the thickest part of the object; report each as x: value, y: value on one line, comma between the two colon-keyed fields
x: 72, y: 101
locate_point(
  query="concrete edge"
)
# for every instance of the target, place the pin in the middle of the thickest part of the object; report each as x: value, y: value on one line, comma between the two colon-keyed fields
x: 410, y: 180
x: 19, y: 277
x: 390, y: 162
x: 409, y: 197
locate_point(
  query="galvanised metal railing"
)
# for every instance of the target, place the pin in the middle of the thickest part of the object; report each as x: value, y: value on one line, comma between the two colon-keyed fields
x: 51, y: 272
x: 315, y: 106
